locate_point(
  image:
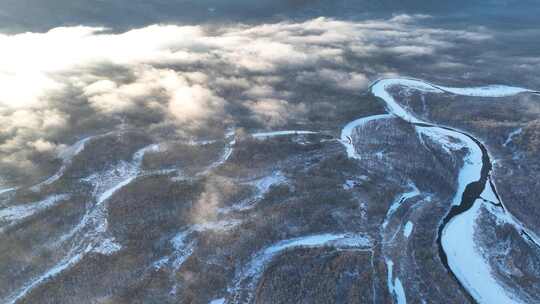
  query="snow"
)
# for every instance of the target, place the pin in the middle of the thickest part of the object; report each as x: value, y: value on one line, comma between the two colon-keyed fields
x: 486, y: 91
x: 394, y: 285
x: 335, y: 240
x: 225, y: 155
x: 109, y: 182
x: 109, y: 192
x: 161, y: 262
x: 22, y: 211
x: 489, y: 194
x: 218, y: 301
x: 203, y: 142
x: 222, y: 225
x: 467, y: 262
x: 399, y: 292
x: 348, y: 185
x: 448, y: 140
x: 139, y: 155
x: 472, y: 163
x: 183, y: 243
x: 265, y: 135
x: 229, y: 148
x: 89, y: 234
x: 512, y: 135
x: 399, y: 201
x: 380, y: 89
x: 347, y: 132
x: 182, y: 249
x: 408, y: 229
x: 464, y: 258
x: 251, y: 273
x: 66, y: 263
x: 264, y: 184
x: 66, y: 155
x: 505, y: 217
x: 107, y: 247
x: 5, y: 190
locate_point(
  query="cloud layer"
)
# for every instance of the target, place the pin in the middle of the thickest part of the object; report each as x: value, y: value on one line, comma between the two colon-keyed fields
x: 73, y: 80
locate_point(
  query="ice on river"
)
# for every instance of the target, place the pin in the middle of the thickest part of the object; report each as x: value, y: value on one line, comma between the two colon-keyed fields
x: 458, y: 236
x: 347, y: 132
x: 486, y: 91
x: 394, y: 284
x: 265, y: 135
x: 467, y: 262
x: 408, y: 229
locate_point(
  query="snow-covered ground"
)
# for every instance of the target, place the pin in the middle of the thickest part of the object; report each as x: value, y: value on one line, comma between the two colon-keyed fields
x: 249, y: 276
x: 408, y: 229
x: 184, y: 244
x: 511, y: 136
x: 265, y: 135
x: 467, y: 262
x: 347, y: 132
x: 394, y: 284
x: 67, y: 156
x: 453, y: 141
x: 381, y: 89
x: 262, y: 186
x: 389, y: 234
x: 20, y: 212
x: 66, y: 263
x: 486, y: 91
x: 105, y: 185
x: 466, y: 258
x: 399, y: 201
x: 6, y: 190
x: 218, y: 301
x: 458, y: 236
x: 90, y: 234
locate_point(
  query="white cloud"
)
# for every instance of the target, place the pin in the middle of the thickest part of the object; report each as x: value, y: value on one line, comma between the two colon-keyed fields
x: 274, y: 112
x: 194, y: 103
x: 336, y: 78
x: 42, y: 145
x: 181, y: 71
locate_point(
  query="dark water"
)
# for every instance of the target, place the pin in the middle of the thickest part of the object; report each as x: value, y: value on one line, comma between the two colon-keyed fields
x: 470, y: 195
x: 472, y: 192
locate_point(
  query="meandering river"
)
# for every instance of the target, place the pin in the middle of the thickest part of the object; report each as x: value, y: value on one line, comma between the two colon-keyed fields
x: 457, y: 248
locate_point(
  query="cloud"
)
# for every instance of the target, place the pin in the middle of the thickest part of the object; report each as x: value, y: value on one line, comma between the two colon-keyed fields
x: 194, y: 103
x: 336, y: 78
x: 42, y: 145
x: 275, y: 112
x: 73, y: 80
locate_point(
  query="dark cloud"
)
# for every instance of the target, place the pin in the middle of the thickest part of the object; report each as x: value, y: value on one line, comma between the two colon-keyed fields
x: 120, y: 15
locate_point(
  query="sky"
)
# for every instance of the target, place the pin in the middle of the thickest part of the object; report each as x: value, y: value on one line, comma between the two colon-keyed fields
x: 74, y: 68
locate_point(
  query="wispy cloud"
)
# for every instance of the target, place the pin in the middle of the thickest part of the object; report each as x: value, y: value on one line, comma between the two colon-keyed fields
x: 78, y: 78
